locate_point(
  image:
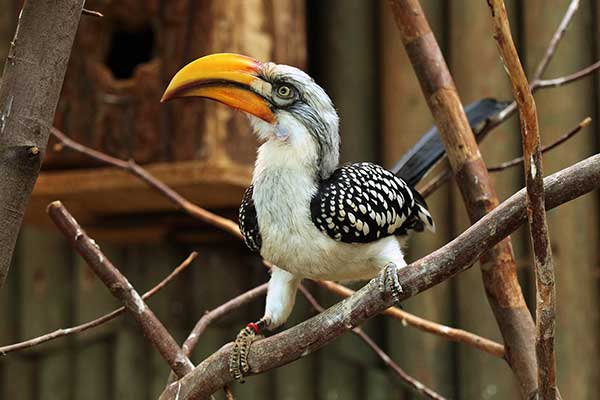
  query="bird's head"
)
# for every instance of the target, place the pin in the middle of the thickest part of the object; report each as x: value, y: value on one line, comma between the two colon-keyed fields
x: 284, y: 104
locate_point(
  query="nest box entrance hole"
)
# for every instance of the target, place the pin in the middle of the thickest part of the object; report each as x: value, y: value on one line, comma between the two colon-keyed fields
x: 128, y: 49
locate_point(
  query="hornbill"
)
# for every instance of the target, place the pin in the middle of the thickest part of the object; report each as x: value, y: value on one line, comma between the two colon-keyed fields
x: 303, y: 212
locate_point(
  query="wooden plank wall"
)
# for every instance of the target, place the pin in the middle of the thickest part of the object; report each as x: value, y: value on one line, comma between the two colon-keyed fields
x: 357, y: 55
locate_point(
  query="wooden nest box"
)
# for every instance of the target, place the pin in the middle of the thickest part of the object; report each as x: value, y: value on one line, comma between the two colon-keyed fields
x: 119, y: 68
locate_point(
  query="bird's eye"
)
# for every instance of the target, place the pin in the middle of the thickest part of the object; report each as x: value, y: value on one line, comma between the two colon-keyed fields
x: 285, y: 92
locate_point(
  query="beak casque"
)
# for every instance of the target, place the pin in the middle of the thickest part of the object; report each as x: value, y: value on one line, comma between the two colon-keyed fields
x: 226, y: 78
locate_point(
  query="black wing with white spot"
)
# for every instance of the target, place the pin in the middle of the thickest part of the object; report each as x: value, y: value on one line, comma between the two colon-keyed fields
x: 249, y: 221
x: 364, y: 202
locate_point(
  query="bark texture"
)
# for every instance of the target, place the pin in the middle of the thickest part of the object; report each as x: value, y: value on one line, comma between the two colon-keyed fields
x: 29, y: 91
x: 536, y: 214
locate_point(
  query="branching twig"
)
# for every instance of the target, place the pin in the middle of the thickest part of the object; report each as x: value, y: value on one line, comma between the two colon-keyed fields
x: 556, y: 143
x: 411, y: 382
x: 98, y: 321
x: 563, y: 80
x: 306, y: 337
x: 558, y: 34
x: 118, y: 285
x: 232, y: 228
x: 536, y: 84
x: 536, y: 213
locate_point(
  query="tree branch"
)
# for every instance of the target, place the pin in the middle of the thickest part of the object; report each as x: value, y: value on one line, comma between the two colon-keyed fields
x: 536, y: 213
x: 498, y: 267
x: 454, y: 257
x: 408, y: 380
x: 119, y: 287
x: 29, y: 92
x: 98, y: 321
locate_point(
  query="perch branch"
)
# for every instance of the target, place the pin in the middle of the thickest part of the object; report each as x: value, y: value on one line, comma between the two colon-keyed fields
x: 98, y: 321
x: 29, y: 91
x: 408, y: 380
x: 232, y: 228
x: 498, y: 268
x: 119, y: 287
x: 536, y: 213
x: 456, y: 256
x: 556, y: 143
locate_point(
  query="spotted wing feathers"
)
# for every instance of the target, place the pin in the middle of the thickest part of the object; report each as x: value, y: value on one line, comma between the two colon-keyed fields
x: 249, y: 222
x: 364, y: 202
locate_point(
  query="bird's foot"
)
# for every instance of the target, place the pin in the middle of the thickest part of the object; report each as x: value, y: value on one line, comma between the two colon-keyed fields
x: 388, y: 280
x: 238, y: 359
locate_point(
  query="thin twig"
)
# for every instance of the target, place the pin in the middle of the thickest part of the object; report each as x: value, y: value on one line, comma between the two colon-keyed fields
x: 411, y: 382
x: 558, y: 34
x: 98, y: 321
x: 563, y: 80
x: 211, y: 316
x: 303, y: 339
x: 556, y: 143
x: 436, y: 182
x: 536, y: 213
x: 92, y: 13
x: 447, y: 332
x: 136, y: 170
x: 232, y: 228
x: 119, y: 287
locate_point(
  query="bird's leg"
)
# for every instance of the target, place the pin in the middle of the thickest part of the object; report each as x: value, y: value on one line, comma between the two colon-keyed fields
x: 281, y: 296
x: 388, y: 280
x: 238, y: 360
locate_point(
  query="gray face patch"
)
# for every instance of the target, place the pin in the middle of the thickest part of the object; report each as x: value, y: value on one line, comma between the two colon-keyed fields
x: 312, y: 107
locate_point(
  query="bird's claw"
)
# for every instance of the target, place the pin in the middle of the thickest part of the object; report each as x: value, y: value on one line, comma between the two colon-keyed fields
x: 388, y: 280
x: 238, y: 359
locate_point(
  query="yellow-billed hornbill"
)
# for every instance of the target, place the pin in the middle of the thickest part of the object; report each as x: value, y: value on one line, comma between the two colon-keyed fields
x: 303, y: 212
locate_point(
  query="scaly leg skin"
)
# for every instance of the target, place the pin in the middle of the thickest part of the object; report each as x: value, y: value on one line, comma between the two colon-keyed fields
x: 238, y: 359
x: 388, y: 280
x: 280, y: 301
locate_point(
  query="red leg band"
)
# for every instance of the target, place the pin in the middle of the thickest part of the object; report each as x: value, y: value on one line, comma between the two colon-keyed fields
x: 254, y: 327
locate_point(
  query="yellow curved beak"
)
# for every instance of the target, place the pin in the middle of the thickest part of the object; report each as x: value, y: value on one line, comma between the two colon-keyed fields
x: 224, y: 77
